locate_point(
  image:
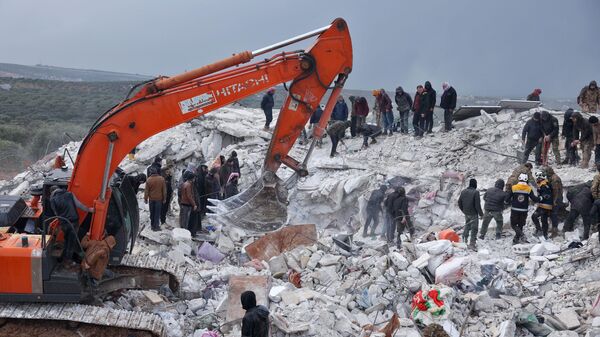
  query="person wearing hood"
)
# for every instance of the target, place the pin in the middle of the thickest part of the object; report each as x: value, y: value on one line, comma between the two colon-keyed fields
x: 532, y: 138
x: 448, y: 103
x: 583, y: 135
x: 589, y: 98
x: 535, y: 95
x: 518, y: 198
x: 267, y: 103
x: 200, y: 185
x: 374, y: 209
x: 404, y: 103
x: 231, y: 188
x: 567, y: 134
x: 336, y: 132
x: 550, y: 129
x: 469, y: 203
x: 596, y: 131
x: 400, y: 216
x: 156, y: 165
x: 581, y: 200
x: 340, y: 110
x: 236, y: 163
x: 420, y: 111
x: 384, y: 103
x: 352, y: 116
x: 495, y: 199
x: 256, y: 320
x: 544, y: 206
x: 155, y: 194
x: 362, y: 111
x: 557, y: 198
x: 167, y: 174
x: 431, y: 100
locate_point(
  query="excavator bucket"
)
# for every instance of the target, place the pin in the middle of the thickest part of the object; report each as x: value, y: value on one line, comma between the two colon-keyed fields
x: 260, y: 208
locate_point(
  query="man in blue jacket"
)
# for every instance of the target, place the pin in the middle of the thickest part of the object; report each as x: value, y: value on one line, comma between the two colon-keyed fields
x: 266, y: 105
x: 340, y: 110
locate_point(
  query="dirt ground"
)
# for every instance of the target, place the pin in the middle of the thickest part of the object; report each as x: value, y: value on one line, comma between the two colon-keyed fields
x: 61, y: 329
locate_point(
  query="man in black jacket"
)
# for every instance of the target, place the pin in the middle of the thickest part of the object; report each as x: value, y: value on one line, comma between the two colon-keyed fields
x: 431, y: 100
x: 167, y: 173
x: 532, y: 138
x: 336, y: 132
x: 374, y: 209
x: 266, y: 105
x: 156, y: 165
x: 400, y: 216
x: 404, y: 103
x: 448, y: 103
x: 550, y: 129
x: 495, y: 199
x: 469, y: 203
x: 256, y: 320
x: 369, y: 130
x: 420, y: 106
x: 567, y: 132
x: 580, y: 197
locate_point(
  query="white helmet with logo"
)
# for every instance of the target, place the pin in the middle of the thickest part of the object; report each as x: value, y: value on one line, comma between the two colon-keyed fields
x: 539, y: 175
x: 523, y: 177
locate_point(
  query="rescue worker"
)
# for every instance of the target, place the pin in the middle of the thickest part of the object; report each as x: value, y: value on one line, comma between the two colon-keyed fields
x: 97, y: 253
x: 376, y: 110
x: 340, y: 110
x: 596, y: 131
x: 155, y: 194
x: 236, y: 163
x: 519, y: 199
x: 353, y: 116
x: 362, y: 111
x: 544, y: 206
x: 167, y: 174
x: 495, y: 199
x: 532, y: 138
x: 231, y: 188
x: 583, y: 135
x: 469, y: 203
x: 535, y: 95
x: 567, y: 133
x: 213, y: 185
x: 431, y: 100
x: 595, y: 211
x: 420, y: 111
x: 200, y: 182
x: 400, y: 216
x: 374, y: 209
x: 314, y: 120
x: 256, y: 320
x: 64, y: 204
x: 385, y: 107
x: 589, y: 98
x: 369, y: 130
x: 336, y: 132
x: 188, y: 201
x: 403, y: 104
x: 581, y: 200
x: 557, y: 198
x: 156, y: 164
x: 550, y: 129
x: 267, y: 103
x: 514, y: 177
x: 448, y: 103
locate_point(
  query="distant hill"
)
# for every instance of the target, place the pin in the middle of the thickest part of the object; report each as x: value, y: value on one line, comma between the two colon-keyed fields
x: 44, y: 72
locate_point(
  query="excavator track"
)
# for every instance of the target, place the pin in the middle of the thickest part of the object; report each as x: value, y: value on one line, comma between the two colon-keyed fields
x: 73, y: 319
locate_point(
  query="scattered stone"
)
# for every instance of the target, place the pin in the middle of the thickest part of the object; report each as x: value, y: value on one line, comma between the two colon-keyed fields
x: 570, y: 318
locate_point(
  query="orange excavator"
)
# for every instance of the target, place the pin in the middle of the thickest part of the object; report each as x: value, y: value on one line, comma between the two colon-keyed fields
x: 31, y: 271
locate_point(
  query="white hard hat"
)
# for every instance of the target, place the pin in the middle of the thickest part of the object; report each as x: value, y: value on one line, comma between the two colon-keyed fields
x: 523, y: 177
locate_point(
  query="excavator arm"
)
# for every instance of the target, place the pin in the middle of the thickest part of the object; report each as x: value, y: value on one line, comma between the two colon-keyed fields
x: 169, y: 101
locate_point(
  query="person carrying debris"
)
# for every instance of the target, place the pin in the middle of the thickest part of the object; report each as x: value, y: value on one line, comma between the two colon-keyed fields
x: 336, y: 132
x: 385, y: 107
x: 256, y: 320
x: 550, y: 129
x: 567, y: 133
x: 531, y: 137
x: 519, y: 199
x: 267, y: 103
x: 155, y: 195
x: 400, y: 216
x: 369, y: 130
x: 188, y: 202
x: 535, y: 95
x: 420, y: 111
x: 404, y: 103
x: 469, y: 203
x: 431, y: 100
x: 581, y: 200
x: 495, y: 199
x: 374, y: 210
x: 583, y: 135
x: 557, y: 198
x: 340, y: 110
x: 544, y: 207
x: 514, y: 177
x: 596, y: 131
x: 589, y: 98
x: 448, y: 103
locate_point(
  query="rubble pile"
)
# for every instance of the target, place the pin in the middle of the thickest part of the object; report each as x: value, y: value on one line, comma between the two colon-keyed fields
x: 318, y: 278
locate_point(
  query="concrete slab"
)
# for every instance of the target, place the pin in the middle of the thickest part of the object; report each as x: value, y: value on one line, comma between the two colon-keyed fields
x: 287, y: 238
x: 237, y: 285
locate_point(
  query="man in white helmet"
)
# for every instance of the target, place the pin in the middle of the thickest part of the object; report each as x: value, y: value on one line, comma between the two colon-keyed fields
x: 518, y: 197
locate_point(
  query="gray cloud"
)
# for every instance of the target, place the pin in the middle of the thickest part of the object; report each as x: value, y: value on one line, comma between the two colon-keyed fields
x: 501, y: 48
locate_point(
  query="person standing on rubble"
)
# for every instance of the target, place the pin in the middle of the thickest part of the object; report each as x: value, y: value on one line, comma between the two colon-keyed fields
x: 384, y: 103
x: 514, y: 177
x: 256, y: 320
x: 236, y: 163
x: 156, y: 164
x: 353, y: 116
x: 596, y: 131
x: 374, y: 210
x: 400, y: 216
x: 377, y: 109
x: 595, y: 211
x: 531, y: 137
x: 267, y: 103
x: 535, y: 95
x: 589, y: 98
x: 155, y: 194
x: 314, y: 121
x: 448, y: 103
x: 469, y: 203
x: 583, y: 135
x: 568, y: 134
x: 557, y: 198
x: 200, y: 183
x: 340, y: 110
x: 431, y: 100
x: 336, y: 132
x: 550, y: 129
x: 213, y: 186
x: 404, y: 103
x: 495, y: 199
x: 187, y: 202
x: 581, y: 199
x: 544, y: 206
x: 167, y: 174
x: 420, y: 111
x: 362, y: 111
x: 519, y: 199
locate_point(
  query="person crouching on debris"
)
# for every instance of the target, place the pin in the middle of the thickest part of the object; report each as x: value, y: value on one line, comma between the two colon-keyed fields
x: 336, y: 132
x: 469, y: 203
x: 369, y: 130
x: 582, y: 203
x: 96, y: 255
x: 256, y: 320
x: 544, y: 208
x: 374, y: 209
x: 519, y: 196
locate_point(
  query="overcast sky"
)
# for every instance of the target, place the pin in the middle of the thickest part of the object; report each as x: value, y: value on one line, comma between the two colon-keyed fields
x: 500, y: 48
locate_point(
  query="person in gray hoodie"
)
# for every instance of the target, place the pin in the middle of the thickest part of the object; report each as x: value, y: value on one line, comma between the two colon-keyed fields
x: 404, y: 103
x: 470, y: 204
x: 495, y: 199
x: 256, y: 320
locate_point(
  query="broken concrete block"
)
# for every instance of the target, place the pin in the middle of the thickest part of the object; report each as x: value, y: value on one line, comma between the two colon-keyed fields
x: 184, y: 248
x: 196, y: 304
x: 507, y: 329
x: 329, y: 259
x: 181, y: 234
x: 153, y: 297
x: 293, y: 297
x: 563, y: 334
x: 177, y: 256
x: 570, y: 318
x: 225, y: 244
x: 314, y: 260
x: 398, y: 260
x: 289, y: 328
x: 278, y: 266
x: 283, y: 240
